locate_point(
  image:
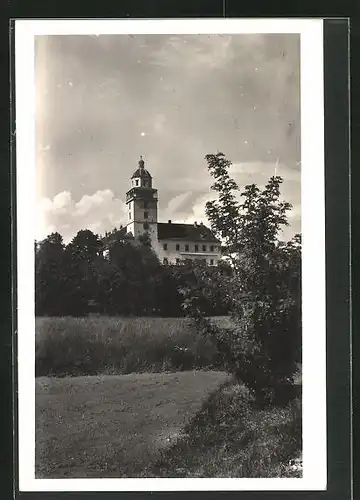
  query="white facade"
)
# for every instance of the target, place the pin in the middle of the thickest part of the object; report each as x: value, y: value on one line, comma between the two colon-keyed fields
x: 172, y: 251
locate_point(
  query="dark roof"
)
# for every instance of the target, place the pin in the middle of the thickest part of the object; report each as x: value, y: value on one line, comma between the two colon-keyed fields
x: 141, y: 172
x: 187, y: 232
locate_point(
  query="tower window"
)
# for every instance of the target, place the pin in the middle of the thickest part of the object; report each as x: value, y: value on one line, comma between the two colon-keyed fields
x: 137, y: 182
x: 146, y: 226
x: 145, y: 215
x: 145, y: 204
x: 165, y: 246
x: 177, y: 247
x: 196, y: 248
x: 204, y: 248
x: 186, y: 248
x: 165, y: 260
x: 129, y: 215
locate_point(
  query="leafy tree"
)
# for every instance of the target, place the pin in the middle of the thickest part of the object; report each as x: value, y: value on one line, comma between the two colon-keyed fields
x: 85, y: 246
x: 49, y: 276
x: 263, y: 347
x: 205, y: 284
x: 136, y: 274
x: 81, y: 257
x: 151, y: 276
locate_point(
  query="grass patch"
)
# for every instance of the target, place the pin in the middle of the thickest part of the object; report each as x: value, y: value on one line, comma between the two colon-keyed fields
x: 95, y: 345
x: 113, y: 426
x: 187, y: 424
x: 230, y: 437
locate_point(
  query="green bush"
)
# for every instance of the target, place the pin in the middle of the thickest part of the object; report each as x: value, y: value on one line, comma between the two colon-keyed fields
x: 231, y: 437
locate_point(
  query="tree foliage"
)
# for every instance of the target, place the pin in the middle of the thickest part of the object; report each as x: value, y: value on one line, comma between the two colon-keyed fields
x: 49, y: 275
x: 113, y: 275
x: 263, y: 294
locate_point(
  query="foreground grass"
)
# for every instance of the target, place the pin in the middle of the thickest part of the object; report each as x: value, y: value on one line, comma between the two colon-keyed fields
x: 113, y: 426
x: 230, y: 437
x: 188, y: 424
x: 108, y: 345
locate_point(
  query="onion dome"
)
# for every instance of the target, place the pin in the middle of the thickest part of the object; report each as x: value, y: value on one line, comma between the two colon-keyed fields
x: 141, y: 171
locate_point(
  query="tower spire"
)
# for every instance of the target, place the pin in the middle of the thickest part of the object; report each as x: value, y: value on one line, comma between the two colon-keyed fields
x: 141, y: 162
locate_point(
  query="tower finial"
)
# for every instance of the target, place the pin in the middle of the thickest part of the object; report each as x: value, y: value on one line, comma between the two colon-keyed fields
x: 141, y: 162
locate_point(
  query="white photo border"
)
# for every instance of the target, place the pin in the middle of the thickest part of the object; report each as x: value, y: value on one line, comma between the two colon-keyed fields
x: 313, y: 248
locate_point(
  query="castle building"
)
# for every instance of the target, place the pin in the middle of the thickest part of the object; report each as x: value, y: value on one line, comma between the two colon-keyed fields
x: 172, y: 242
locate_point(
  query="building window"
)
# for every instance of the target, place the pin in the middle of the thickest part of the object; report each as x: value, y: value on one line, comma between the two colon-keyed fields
x: 165, y: 246
x: 204, y: 248
x: 177, y: 247
x: 186, y: 248
x: 145, y: 215
x: 166, y: 261
x: 211, y: 248
x: 196, y: 248
x: 211, y: 262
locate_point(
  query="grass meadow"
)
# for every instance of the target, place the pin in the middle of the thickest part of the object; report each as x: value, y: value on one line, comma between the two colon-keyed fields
x: 146, y: 397
x: 94, y: 345
x: 113, y: 426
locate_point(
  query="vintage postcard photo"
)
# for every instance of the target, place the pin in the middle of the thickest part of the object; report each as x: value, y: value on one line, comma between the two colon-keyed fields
x: 171, y: 272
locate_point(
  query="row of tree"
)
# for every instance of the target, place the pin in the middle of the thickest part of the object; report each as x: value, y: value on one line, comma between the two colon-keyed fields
x: 111, y: 275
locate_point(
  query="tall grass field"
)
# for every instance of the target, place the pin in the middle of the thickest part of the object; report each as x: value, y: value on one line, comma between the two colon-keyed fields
x: 108, y: 345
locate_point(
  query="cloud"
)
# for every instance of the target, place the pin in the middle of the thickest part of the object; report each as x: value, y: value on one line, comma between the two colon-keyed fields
x: 62, y: 201
x: 177, y: 207
x: 98, y: 212
x: 184, y: 201
x: 197, y: 214
x: 97, y: 201
x: 189, y: 206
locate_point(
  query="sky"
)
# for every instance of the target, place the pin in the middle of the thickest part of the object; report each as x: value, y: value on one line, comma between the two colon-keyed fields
x: 104, y: 100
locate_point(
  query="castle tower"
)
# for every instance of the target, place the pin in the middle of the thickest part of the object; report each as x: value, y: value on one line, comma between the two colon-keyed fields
x: 141, y: 202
